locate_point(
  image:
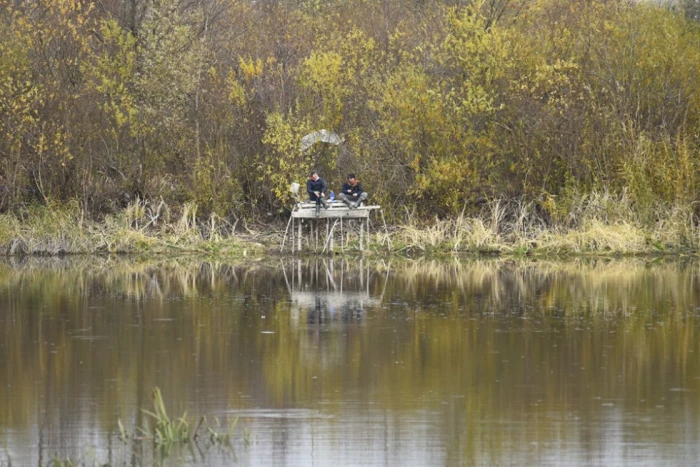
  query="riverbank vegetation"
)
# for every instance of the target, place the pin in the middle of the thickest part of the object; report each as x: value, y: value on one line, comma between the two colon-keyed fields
x: 499, y: 125
x: 598, y: 224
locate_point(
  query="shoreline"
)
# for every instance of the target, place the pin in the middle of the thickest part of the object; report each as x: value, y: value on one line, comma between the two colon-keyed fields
x: 56, y: 231
x: 397, y: 241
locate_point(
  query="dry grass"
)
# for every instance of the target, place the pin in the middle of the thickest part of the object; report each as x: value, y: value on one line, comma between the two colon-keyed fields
x: 140, y: 227
x: 596, y: 236
x: 450, y: 234
x: 597, y: 223
x: 593, y: 223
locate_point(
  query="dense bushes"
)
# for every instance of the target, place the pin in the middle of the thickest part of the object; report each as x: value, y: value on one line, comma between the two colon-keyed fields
x: 439, y: 106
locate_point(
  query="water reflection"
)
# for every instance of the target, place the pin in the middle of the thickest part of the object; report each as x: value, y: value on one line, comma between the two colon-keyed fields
x: 355, y: 362
x: 325, y: 291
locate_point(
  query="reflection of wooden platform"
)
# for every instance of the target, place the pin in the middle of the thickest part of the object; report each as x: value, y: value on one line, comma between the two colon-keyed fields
x: 334, y: 216
x: 321, y: 306
x: 309, y: 300
x: 321, y: 291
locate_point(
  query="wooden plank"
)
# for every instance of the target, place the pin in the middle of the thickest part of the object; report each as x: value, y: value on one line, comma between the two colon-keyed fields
x: 334, y: 206
x: 309, y: 212
x: 356, y: 214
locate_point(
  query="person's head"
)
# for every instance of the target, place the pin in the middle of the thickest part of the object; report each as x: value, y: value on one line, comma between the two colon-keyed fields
x: 351, y: 177
x: 314, y: 175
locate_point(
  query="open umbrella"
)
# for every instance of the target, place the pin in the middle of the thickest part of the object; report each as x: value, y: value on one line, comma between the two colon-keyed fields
x: 323, y: 136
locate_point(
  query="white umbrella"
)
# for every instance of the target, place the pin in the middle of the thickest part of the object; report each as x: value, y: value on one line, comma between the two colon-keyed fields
x: 323, y: 136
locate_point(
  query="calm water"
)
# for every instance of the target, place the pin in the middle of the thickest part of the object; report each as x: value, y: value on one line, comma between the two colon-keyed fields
x: 353, y: 363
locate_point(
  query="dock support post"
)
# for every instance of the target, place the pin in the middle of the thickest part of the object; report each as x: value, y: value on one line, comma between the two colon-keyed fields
x: 312, y: 224
x: 299, y: 236
x: 367, y: 230
x: 361, y: 228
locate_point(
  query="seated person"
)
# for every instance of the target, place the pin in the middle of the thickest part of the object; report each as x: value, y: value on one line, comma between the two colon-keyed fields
x: 352, y: 193
x: 316, y: 188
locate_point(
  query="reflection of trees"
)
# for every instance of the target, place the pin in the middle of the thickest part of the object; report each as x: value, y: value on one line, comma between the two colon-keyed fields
x: 473, y: 341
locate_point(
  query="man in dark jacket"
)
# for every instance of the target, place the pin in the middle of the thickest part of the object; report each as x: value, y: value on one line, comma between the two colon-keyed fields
x: 316, y: 188
x: 352, y: 193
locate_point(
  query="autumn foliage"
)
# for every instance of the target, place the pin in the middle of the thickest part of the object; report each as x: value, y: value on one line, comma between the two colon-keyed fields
x: 442, y: 104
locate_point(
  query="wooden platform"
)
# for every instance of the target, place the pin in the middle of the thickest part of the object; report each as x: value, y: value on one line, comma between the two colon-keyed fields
x: 337, y: 209
x: 334, y: 217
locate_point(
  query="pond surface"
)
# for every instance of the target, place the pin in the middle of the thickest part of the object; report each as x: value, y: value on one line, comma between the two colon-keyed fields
x: 323, y: 362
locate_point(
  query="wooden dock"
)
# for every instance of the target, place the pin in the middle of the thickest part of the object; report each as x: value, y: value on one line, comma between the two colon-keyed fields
x: 337, y: 218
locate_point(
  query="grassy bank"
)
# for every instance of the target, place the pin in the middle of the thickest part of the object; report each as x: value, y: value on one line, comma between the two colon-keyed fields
x: 65, y: 229
x: 597, y: 223
x: 594, y: 224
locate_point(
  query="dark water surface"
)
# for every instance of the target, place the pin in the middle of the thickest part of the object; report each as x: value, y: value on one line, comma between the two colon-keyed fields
x: 353, y: 362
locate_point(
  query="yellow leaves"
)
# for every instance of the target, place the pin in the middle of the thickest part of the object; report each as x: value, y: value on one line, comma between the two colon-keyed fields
x: 359, y: 54
x: 237, y: 93
x: 20, y: 93
x: 480, y: 52
x: 111, y: 73
x: 430, y: 122
x: 250, y: 69
x: 54, y: 26
x: 558, y: 84
x: 335, y: 76
x: 242, y: 83
x: 118, y: 49
x: 322, y: 72
x: 280, y: 135
x: 286, y: 163
x: 426, y: 100
x: 69, y: 7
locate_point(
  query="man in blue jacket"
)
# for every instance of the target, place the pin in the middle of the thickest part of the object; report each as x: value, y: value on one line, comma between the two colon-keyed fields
x: 352, y: 193
x: 316, y: 188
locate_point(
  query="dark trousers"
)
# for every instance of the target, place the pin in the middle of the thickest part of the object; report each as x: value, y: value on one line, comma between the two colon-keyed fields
x: 321, y: 201
x: 354, y: 198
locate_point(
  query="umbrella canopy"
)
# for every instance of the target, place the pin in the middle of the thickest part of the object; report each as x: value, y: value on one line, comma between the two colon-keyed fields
x: 323, y: 136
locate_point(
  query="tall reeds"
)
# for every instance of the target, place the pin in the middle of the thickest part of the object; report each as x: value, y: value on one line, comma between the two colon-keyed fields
x: 577, y: 223
x: 142, y: 226
x: 598, y: 222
